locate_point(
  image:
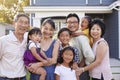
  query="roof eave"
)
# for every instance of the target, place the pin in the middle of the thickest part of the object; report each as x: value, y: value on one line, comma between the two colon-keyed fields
x: 86, y: 9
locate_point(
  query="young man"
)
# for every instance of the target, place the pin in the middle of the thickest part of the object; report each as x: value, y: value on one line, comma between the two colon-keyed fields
x: 81, y: 42
x: 12, y: 47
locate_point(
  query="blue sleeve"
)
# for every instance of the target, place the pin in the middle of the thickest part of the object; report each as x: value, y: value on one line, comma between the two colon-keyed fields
x: 76, y: 57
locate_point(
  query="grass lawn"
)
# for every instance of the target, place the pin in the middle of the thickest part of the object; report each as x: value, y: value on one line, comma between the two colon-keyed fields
x: 28, y: 76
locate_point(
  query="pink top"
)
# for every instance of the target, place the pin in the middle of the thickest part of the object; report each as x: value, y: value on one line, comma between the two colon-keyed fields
x: 104, y: 67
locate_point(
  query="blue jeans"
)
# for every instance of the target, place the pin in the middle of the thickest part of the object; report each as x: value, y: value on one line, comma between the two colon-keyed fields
x: 34, y: 76
x: 85, y: 76
x: 4, y: 78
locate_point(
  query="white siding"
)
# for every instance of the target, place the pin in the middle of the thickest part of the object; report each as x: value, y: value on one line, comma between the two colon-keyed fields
x: 2, y: 30
x: 5, y: 27
x: 39, y: 16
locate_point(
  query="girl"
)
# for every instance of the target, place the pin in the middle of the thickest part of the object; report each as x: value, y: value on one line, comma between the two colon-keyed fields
x: 50, y: 48
x: 65, y: 71
x: 33, y: 54
x: 85, y: 25
x: 64, y: 35
x: 100, y: 68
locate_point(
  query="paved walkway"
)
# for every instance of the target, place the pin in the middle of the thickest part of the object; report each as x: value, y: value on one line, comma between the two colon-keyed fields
x: 115, y: 67
x: 114, y: 62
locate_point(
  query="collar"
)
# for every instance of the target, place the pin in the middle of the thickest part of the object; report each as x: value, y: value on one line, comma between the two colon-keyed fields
x: 12, y: 36
x: 61, y: 47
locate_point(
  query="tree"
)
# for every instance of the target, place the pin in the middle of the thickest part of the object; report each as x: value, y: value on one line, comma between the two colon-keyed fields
x: 8, y: 9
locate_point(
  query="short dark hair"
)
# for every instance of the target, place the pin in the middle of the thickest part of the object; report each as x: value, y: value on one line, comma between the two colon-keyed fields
x: 34, y: 30
x: 17, y: 16
x: 62, y: 30
x: 72, y: 15
x: 101, y: 25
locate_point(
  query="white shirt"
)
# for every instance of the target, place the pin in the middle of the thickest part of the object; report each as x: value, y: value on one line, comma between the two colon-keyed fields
x: 65, y: 73
x: 11, y: 56
x: 33, y: 44
x: 82, y: 44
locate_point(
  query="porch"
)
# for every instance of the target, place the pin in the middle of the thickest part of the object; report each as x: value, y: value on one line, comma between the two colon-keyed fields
x: 115, y: 67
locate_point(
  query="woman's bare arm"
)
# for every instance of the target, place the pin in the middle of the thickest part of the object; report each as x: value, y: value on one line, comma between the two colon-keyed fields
x: 100, y: 54
x: 55, y: 52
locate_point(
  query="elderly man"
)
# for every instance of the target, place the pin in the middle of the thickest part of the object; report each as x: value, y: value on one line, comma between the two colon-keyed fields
x: 12, y: 47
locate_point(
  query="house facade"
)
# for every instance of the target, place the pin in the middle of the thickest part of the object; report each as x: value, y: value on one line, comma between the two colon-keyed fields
x: 5, y: 28
x: 107, y: 10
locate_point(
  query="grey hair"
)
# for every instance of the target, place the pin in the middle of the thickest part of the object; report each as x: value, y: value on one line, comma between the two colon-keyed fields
x: 17, y: 16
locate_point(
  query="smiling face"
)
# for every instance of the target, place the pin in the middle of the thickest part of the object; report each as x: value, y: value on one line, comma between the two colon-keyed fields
x: 35, y: 38
x: 67, y: 56
x: 47, y: 30
x: 21, y: 25
x: 96, y: 32
x: 64, y: 37
x: 84, y: 24
x: 72, y: 24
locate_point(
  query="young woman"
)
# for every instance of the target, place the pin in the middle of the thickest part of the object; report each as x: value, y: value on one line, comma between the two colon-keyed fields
x: 65, y: 71
x: 50, y: 48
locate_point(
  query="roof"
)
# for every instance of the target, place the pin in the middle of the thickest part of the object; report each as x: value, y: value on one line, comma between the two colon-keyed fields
x: 86, y: 9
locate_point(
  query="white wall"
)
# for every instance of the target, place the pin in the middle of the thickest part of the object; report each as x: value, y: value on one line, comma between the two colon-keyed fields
x: 4, y: 27
x: 2, y: 30
x: 40, y: 15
